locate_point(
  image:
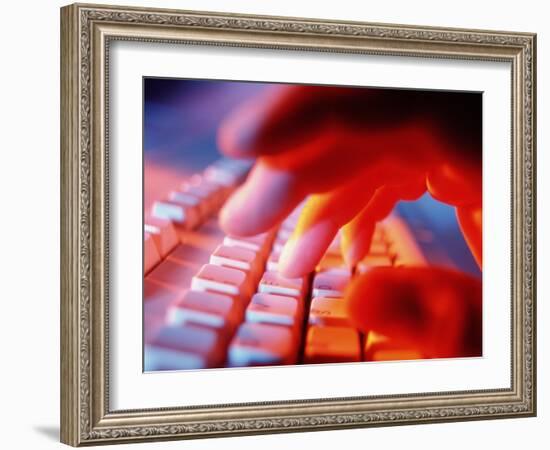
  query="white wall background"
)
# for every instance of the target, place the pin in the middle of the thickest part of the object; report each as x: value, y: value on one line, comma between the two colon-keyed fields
x: 29, y: 225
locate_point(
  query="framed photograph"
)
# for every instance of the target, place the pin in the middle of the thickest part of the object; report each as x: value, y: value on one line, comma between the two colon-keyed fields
x: 278, y: 224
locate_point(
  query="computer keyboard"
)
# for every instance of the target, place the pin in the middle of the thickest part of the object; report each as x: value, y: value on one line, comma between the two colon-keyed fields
x: 213, y: 300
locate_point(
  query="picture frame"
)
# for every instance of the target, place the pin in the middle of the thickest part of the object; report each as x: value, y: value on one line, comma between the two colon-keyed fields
x: 87, y: 32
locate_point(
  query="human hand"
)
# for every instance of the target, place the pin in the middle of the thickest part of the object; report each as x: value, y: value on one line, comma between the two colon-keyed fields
x: 356, y: 153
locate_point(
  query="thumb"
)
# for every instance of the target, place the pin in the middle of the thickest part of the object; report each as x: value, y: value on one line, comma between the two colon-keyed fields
x: 435, y: 311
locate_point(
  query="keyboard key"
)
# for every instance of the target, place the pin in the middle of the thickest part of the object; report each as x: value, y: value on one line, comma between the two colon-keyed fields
x: 379, y: 233
x: 184, y: 347
x: 395, y: 354
x: 378, y: 248
x: 210, y: 195
x: 172, y: 274
x: 151, y: 255
x: 402, y: 243
x: 190, y: 255
x: 328, y: 311
x: 274, y: 309
x: 370, y: 261
x: 257, y: 243
x: 273, y: 262
x: 237, y: 257
x: 331, y: 345
x: 222, y: 176
x: 330, y: 283
x: 163, y: 233
x: 258, y: 344
x: 381, y: 348
x: 185, y: 198
x: 205, y: 308
x: 180, y: 214
x: 221, y: 279
x: 279, y: 244
x: 275, y: 283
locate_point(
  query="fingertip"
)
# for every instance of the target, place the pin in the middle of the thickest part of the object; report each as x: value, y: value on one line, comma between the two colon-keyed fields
x: 228, y: 217
x: 267, y: 196
x: 356, y: 243
x: 243, y: 213
x: 291, y: 266
x: 305, y: 248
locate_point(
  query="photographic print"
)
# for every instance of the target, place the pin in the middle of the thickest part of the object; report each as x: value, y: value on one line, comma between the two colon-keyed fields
x: 278, y: 224
x: 290, y: 224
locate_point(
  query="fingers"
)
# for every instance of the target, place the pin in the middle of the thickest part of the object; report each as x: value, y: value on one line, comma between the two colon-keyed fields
x: 322, y: 217
x: 454, y: 184
x: 276, y: 187
x: 265, y: 199
x: 435, y: 311
x: 313, y: 139
x: 287, y: 114
x: 470, y: 221
x: 357, y: 234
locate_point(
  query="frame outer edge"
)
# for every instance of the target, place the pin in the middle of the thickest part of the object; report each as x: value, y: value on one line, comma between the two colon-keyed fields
x: 533, y: 235
x: 69, y: 209
x: 81, y: 414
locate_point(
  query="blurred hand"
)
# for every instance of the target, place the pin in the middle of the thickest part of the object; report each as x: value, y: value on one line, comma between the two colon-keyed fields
x: 356, y: 153
x: 433, y: 311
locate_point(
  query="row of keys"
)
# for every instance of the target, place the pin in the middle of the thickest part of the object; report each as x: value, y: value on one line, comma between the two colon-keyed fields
x: 244, y: 312
x: 330, y: 336
x: 271, y: 333
x: 222, y: 296
x: 195, y: 200
x: 219, y: 293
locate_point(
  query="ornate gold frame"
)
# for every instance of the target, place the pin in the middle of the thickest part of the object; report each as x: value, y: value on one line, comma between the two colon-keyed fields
x: 86, y: 31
